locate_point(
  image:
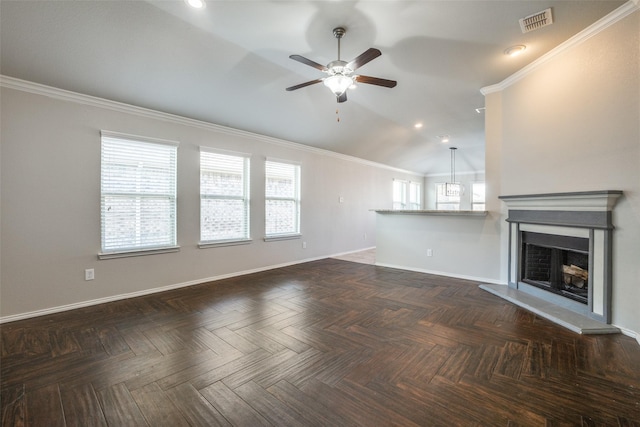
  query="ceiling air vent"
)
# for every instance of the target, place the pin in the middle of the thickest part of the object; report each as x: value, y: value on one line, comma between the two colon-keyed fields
x: 535, y: 21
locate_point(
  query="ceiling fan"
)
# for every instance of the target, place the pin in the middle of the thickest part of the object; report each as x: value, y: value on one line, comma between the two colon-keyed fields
x: 340, y: 74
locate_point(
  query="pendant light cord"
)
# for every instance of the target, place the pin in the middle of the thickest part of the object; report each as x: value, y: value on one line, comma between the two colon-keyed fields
x: 453, y: 164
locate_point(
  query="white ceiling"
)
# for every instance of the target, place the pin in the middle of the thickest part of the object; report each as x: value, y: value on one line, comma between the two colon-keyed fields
x: 229, y: 64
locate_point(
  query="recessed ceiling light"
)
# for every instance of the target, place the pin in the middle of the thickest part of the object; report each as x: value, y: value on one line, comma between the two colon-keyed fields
x: 196, y: 4
x: 443, y: 138
x: 417, y: 125
x: 515, y: 50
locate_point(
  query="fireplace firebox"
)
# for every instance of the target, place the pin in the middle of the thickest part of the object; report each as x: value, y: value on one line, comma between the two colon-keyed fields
x: 558, y: 264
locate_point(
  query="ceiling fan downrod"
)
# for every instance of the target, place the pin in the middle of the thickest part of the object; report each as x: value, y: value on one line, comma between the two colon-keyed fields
x: 339, y: 32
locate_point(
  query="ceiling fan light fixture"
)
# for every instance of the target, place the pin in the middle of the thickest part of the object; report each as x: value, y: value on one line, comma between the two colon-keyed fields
x: 515, y: 50
x: 338, y: 83
x: 196, y: 4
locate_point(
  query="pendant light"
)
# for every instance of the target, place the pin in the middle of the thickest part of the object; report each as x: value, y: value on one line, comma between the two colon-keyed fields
x: 453, y: 188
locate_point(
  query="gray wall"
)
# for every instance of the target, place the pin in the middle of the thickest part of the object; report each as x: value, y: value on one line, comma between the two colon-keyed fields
x: 50, y: 210
x: 573, y: 124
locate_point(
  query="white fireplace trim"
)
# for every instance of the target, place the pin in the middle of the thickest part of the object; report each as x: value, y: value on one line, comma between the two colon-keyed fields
x: 598, y: 273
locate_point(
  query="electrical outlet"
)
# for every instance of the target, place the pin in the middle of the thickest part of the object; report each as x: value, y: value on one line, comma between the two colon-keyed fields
x: 364, y: 236
x: 89, y: 274
x: 341, y: 199
x: 429, y: 252
x: 304, y: 245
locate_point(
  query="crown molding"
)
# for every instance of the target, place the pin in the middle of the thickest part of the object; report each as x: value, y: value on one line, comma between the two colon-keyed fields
x: 79, y: 98
x: 597, y: 27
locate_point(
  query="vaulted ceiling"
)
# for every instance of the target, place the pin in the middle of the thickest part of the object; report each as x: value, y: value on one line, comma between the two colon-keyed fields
x: 229, y: 64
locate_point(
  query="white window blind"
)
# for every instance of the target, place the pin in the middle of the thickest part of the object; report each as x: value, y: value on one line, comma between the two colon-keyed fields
x: 224, y: 197
x: 282, y: 198
x: 138, y: 194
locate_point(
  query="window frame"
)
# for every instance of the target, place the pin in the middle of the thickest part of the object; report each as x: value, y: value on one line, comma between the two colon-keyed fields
x: 403, y: 199
x: 295, y: 198
x: 110, y: 163
x: 473, y: 202
x: 245, y: 198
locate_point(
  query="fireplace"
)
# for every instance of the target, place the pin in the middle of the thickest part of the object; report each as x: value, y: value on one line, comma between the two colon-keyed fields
x: 557, y: 264
x: 560, y: 249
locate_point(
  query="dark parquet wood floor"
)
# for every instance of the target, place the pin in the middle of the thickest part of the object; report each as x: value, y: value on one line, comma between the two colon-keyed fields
x: 325, y: 343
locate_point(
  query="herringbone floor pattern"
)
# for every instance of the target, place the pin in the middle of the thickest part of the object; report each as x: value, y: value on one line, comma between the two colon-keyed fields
x: 325, y: 343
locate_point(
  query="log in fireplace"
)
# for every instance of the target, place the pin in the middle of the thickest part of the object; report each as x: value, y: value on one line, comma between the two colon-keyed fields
x: 558, y: 264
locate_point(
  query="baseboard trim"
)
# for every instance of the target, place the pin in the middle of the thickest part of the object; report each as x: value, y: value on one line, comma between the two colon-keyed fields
x: 442, y: 273
x: 629, y: 333
x: 119, y: 297
x: 352, y: 252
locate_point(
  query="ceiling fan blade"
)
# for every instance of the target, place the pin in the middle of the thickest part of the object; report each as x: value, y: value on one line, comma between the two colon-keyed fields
x: 376, y: 81
x: 369, y: 55
x: 308, y: 62
x: 343, y: 97
x: 305, y: 84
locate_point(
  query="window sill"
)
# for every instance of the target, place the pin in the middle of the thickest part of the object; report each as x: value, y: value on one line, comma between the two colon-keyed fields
x: 142, y: 252
x: 278, y: 237
x: 221, y: 243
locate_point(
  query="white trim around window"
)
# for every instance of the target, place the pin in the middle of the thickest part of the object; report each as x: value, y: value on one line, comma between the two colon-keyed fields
x: 138, y: 197
x: 478, y: 196
x: 282, y: 200
x: 407, y: 195
x: 224, y: 198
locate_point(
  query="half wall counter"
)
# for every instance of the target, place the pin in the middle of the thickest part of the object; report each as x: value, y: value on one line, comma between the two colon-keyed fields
x: 462, y: 244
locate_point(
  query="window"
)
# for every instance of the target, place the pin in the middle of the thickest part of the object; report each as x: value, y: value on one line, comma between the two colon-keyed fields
x: 406, y: 195
x: 282, y: 199
x: 477, y: 196
x: 444, y: 202
x: 414, y: 196
x: 138, y: 195
x: 224, y: 197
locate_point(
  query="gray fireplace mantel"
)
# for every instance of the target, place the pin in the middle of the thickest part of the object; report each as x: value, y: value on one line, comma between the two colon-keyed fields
x: 586, y: 214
